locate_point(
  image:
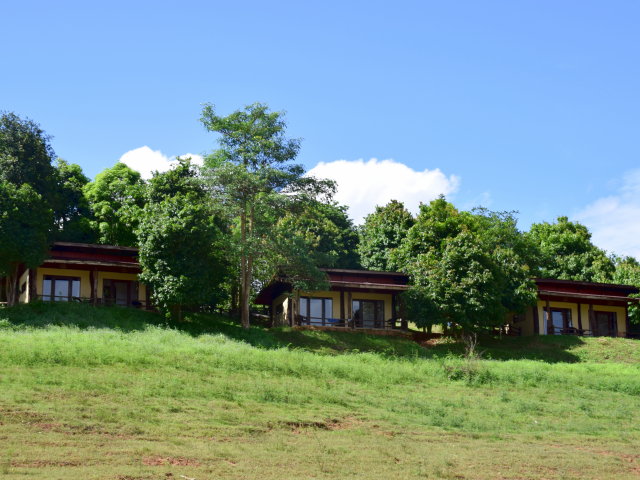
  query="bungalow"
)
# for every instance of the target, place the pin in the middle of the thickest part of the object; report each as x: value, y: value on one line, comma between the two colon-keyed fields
x: 567, y: 307
x: 99, y: 274
x: 355, y: 299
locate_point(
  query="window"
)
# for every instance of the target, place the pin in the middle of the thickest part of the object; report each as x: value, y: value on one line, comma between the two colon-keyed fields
x: 119, y: 292
x: 560, y: 321
x: 60, y: 289
x: 316, y: 311
x: 368, y: 313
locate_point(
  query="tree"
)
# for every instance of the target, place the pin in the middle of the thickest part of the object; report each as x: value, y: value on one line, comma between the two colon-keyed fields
x: 26, y: 155
x: 467, y: 268
x: 252, y: 174
x: 627, y: 272
x: 183, y: 248
x: 328, y: 232
x: 382, y: 232
x: 565, y: 252
x: 71, y: 207
x: 25, y: 221
x: 116, y: 198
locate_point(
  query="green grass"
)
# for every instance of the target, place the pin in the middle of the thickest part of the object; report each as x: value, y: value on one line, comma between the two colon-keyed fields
x: 116, y: 394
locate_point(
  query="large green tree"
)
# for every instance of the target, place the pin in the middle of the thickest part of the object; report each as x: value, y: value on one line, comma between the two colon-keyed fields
x: 328, y: 232
x: 116, y: 198
x: 382, y: 232
x: 26, y: 155
x: 627, y: 272
x: 25, y: 220
x: 565, y: 251
x: 253, y: 176
x: 71, y: 207
x: 467, y: 268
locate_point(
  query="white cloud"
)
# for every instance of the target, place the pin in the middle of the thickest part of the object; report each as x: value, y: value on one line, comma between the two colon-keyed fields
x: 146, y: 161
x: 615, y: 220
x: 363, y: 185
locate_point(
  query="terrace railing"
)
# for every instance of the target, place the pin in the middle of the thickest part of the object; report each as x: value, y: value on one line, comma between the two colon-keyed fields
x: 350, y: 323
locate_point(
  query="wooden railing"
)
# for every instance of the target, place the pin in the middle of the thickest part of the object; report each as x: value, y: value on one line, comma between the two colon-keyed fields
x: 393, y: 323
x: 97, y: 301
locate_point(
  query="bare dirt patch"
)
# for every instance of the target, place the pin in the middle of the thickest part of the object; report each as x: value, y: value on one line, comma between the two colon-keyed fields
x: 174, y: 461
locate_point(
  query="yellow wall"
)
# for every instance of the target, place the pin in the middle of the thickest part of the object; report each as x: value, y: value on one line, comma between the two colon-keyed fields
x: 85, y: 285
x: 335, y: 297
x: 85, y: 280
x: 584, y: 315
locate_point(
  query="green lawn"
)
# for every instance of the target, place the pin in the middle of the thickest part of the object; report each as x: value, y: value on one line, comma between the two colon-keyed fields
x: 108, y: 393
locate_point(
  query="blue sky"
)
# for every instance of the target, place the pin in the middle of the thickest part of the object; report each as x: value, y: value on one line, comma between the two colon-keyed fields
x: 529, y: 105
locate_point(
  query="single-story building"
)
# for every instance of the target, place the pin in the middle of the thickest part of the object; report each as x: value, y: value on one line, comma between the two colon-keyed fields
x: 99, y: 274
x: 355, y: 299
x: 567, y: 307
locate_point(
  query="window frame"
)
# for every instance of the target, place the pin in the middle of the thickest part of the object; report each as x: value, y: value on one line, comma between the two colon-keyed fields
x: 306, y: 316
x: 378, y: 321
x: 55, y: 278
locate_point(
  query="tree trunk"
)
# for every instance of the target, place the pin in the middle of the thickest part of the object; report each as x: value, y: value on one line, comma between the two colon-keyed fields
x: 12, y: 287
x: 244, y: 271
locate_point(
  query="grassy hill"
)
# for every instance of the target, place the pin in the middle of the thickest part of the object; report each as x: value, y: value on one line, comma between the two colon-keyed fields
x: 109, y: 393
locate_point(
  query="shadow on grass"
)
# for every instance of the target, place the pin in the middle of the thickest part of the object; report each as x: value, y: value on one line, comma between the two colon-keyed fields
x: 551, y: 349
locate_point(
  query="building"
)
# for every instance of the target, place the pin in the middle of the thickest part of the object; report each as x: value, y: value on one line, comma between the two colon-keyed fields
x: 80, y: 272
x: 355, y: 299
x: 567, y: 307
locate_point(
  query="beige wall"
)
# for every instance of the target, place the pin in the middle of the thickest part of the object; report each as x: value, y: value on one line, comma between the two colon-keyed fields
x: 23, y: 286
x: 85, y: 282
x: 584, y: 315
x: 335, y: 297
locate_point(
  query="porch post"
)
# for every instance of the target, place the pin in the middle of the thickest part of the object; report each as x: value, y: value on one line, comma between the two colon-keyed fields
x: 549, y: 321
x: 93, y: 280
x: 626, y: 320
x: 32, y: 286
x: 536, y: 320
x: 580, y: 317
x: 592, y: 324
x: 394, y: 306
x: 342, y: 312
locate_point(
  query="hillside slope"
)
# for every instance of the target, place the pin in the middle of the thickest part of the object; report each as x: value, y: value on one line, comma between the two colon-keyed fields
x: 112, y: 393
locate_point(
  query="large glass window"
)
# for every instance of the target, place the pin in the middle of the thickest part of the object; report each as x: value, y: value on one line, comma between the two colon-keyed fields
x: 316, y: 311
x: 560, y: 321
x: 60, y: 289
x: 368, y: 313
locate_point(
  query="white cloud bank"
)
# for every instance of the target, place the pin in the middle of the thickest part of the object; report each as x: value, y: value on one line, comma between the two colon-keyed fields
x: 363, y: 185
x: 615, y: 220
x: 146, y: 161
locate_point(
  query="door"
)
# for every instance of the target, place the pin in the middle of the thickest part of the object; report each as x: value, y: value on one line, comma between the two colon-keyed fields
x: 605, y: 324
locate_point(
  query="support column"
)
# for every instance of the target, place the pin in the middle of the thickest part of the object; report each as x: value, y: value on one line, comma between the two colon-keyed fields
x: 627, y: 323
x: 592, y: 324
x: 343, y: 316
x: 549, y: 320
x: 536, y: 320
x: 580, y: 317
x: 32, y: 286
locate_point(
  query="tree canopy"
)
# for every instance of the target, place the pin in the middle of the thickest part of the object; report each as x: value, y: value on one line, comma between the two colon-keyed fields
x: 251, y: 175
x: 564, y: 251
x: 116, y: 198
x: 383, y: 231
x: 467, y: 269
x: 183, y: 249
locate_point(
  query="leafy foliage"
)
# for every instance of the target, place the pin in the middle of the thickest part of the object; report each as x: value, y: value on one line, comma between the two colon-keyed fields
x: 116, y: 198
x: 467, y: 268
x: 383, y: 231
x: 252, y: 177
x: 71, y: 207
x: 182, y: 246
x: 25, y: 220
x: 327, y: 230
x: 565, y: 251
x: 26, y: 155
